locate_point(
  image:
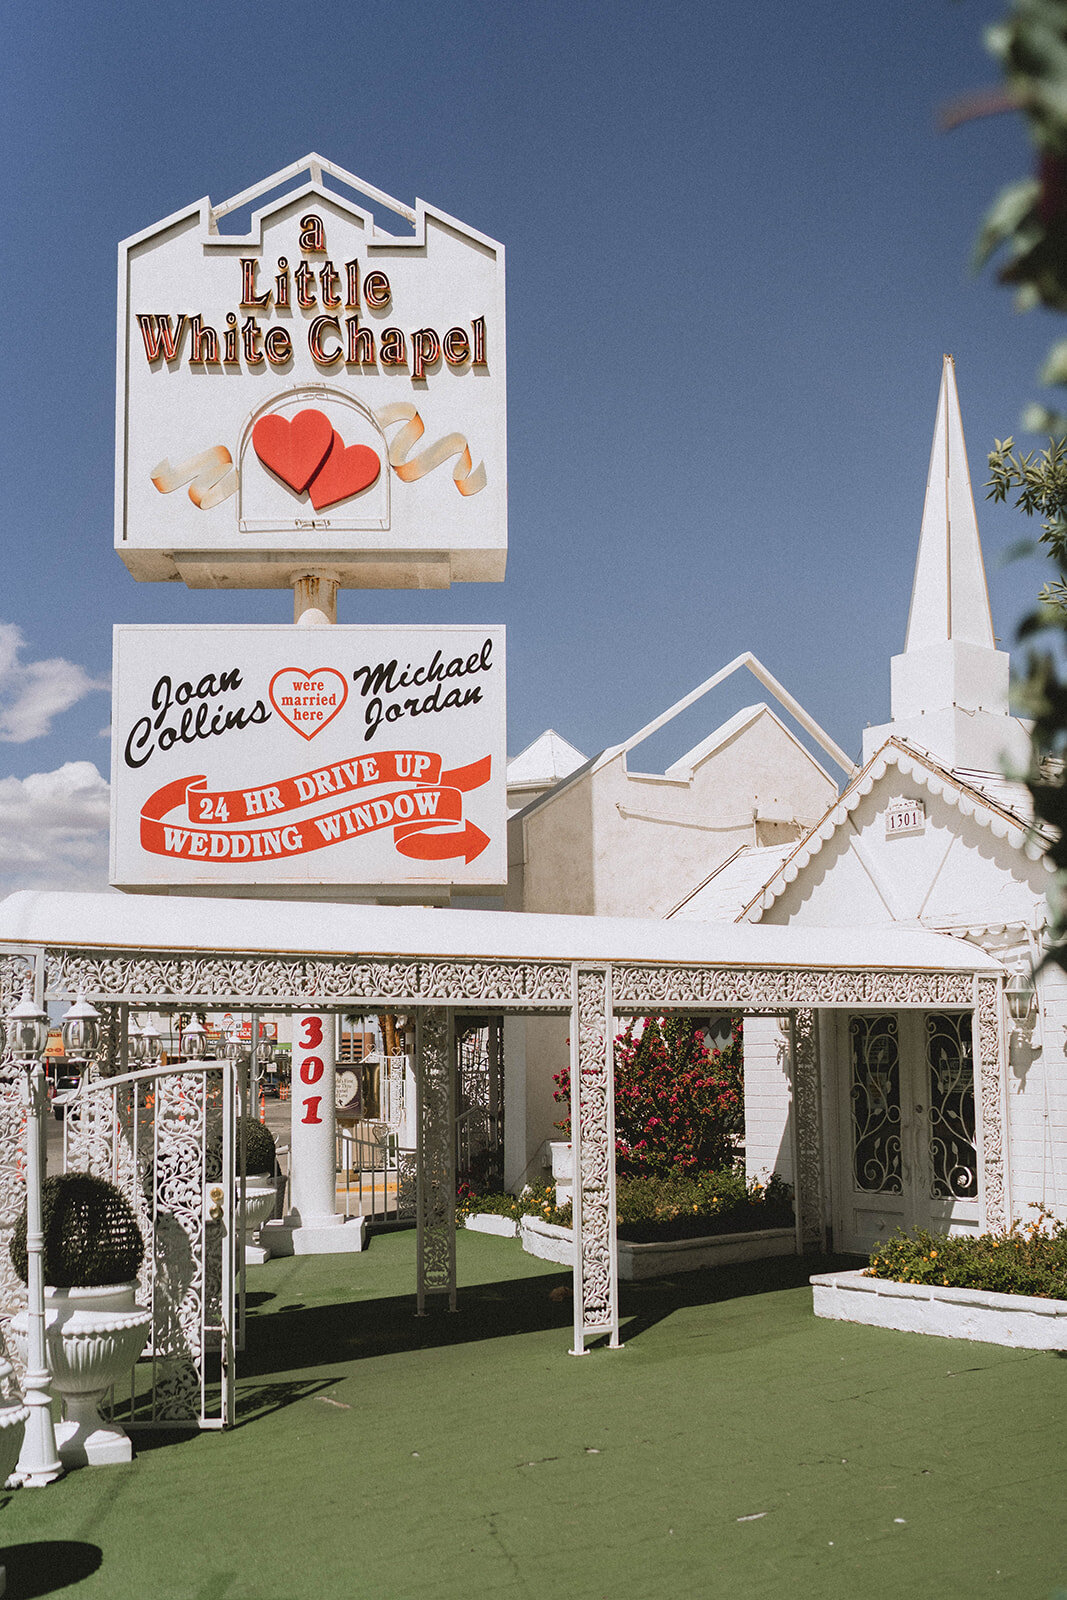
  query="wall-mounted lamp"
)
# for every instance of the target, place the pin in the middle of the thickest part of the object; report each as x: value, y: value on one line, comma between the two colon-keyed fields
x: 1021, y: 996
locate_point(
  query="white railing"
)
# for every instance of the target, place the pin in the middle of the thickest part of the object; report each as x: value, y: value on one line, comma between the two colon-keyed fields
x: 375, y: 1172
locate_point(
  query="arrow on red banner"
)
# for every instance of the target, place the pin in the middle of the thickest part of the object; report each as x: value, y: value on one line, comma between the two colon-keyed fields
x: 424, y: 845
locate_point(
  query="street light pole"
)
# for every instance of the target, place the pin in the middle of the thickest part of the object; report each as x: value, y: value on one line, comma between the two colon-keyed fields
x: 39, y: 1462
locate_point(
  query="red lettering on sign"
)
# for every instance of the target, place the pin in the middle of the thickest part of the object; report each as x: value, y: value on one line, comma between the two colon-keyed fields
x: 311, y: 1109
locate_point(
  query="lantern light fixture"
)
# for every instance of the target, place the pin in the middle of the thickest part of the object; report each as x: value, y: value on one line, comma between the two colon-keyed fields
x: 81, y: 1030
x: 153, y: 1044
x: 1021, y: 996
x: 194, y: 1041
x: 27, y: 1027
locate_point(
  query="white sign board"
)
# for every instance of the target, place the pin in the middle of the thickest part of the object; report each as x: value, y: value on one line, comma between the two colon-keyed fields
x: 322, y: 759
x: 314, y: 394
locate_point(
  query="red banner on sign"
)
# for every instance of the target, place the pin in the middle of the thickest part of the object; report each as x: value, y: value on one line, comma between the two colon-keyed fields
x: 416, y: 813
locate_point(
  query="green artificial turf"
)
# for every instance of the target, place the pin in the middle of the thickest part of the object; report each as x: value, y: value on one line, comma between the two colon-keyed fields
x: 736, y: 1447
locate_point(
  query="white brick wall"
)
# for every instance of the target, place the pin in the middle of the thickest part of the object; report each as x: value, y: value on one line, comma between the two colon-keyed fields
x: 768, y: 1118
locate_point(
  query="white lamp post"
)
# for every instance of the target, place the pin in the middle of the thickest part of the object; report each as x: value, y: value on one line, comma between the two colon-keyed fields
x: 81, y: 1030
x: 194, y: 1040
x: 153, y: 1044
x: 39, y: 1462
x: 138, y: 1044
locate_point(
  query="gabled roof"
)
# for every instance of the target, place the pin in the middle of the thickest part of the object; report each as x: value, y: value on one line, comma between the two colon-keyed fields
x: 548, y: 759
x: 686, y: 765
x: 762, y: 676
x: 1001, y: 820
x: 723, y: 893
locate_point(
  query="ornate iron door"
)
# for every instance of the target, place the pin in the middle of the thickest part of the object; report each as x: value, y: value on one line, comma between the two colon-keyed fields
x: 907, y: 1154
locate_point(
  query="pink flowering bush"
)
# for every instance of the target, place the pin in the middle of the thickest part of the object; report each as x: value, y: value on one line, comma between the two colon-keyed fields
x: 678, y: 1105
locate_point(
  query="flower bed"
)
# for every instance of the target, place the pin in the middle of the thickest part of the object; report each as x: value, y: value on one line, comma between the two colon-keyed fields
x: 679, y: 1223
x: 1023, y: 1260
x: 487, y: 1222
x: 1005, y: 1288
x: 655, y: 1210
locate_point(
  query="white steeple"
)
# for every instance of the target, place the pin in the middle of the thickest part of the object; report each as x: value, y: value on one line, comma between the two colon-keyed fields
x: 949, y: 689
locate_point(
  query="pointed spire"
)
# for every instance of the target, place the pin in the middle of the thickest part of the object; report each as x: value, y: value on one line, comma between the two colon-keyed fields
x: 949, y: 598
x: 949, y: 687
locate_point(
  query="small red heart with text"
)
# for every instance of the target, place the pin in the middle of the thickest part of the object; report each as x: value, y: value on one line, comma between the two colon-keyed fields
x: 294, y: 450
x: 307, y: 701
x: 347, y: 470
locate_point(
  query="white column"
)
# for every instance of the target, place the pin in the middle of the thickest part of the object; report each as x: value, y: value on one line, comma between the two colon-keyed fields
x: 312, y: 1155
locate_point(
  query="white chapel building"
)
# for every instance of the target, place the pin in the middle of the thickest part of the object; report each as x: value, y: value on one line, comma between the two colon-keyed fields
x: 929, y: 835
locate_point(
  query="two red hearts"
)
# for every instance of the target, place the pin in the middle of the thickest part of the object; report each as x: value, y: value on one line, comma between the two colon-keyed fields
x: 307, y: 453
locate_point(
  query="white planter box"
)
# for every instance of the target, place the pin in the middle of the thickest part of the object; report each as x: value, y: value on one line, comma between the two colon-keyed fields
x: 553, y: 1243
x: 485, y: 1222
x: 1023, y: 1322
x: 714, y: 1250
x: 548, y: 1240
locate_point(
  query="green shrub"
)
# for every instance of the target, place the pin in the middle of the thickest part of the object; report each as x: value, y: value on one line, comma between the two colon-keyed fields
x: 259, y: 1149
x: 91, y: 1236
x: 1023, y: 1260
x: 534, y: 1198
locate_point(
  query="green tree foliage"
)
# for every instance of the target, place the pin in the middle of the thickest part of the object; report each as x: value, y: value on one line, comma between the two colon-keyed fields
x: 1027, y: 230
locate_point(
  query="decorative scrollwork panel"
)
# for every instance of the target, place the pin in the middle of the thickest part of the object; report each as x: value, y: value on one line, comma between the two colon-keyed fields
x: 987, y: 1037
x: 874, y: 1096
x: 953, y: 1141
x: 436, y: 1182
x: 596, y: 1296
x: 807, y: 1094
x: 765, y: 988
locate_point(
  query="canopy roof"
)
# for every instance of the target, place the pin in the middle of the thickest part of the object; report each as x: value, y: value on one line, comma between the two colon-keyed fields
x: 129, y: 923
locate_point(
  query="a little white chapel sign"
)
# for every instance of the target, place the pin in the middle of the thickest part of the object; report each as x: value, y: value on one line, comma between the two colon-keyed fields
x: 311, y: 391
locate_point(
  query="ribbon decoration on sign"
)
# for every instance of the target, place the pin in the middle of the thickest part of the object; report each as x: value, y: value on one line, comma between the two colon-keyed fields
x: 467, y: 478
x: 423, y: 814
x: 213, y: 478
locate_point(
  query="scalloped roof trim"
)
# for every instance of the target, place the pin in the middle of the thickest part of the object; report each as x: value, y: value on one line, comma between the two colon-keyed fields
x: 1003, y: 824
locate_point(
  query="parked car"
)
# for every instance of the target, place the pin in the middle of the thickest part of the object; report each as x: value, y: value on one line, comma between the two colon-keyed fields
x: 65, y: 1090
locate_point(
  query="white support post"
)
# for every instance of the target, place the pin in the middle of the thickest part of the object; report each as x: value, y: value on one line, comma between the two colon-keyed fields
x: 313, y: 1226
x: 596, y: 1266
x: 39, y: 1462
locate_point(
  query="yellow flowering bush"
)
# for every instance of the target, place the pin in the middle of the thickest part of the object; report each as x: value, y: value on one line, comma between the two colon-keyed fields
x: 1028, y: 1258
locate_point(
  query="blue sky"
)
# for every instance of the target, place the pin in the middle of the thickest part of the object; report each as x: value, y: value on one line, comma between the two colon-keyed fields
x: 737, y: 247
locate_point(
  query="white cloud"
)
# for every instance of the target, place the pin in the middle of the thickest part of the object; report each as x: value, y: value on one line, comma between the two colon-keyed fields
x: 54, y: 829
x: 33, y: 692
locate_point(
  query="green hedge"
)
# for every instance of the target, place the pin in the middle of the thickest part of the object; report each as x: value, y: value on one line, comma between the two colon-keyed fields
x: 1023, y: 1260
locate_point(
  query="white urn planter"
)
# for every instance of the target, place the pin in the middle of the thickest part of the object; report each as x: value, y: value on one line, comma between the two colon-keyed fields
x: 93, y: 1337
x: 13, y: 1416
x: 258, y: 1208
x: 562, y: 1155
x: 259, y: 1202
